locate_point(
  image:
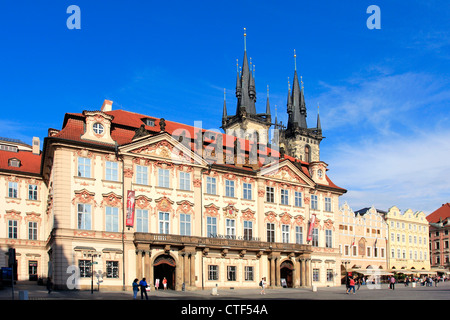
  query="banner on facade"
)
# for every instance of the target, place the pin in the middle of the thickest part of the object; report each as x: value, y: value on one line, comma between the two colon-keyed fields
x: 311, y: 226
x: 130, y: 208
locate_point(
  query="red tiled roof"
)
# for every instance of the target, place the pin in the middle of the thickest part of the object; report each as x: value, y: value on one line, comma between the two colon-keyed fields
x: 29, y: 162
x: 125, y: 123
x: 441, y: 213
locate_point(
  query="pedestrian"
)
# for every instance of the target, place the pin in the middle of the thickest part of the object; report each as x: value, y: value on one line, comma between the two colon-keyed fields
x: 157, y: 284
x: 406, y: 281
x: 351, y: 285
x: 165, y: 283
x: 358, y: 281
x: 143, y: 287
x: 49, y: 285
x: 392, y: 283
x: 135, y: 288
x: 262, y: 284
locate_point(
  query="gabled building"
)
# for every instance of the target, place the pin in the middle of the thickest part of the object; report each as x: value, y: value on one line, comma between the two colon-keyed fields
x: 439, y: 226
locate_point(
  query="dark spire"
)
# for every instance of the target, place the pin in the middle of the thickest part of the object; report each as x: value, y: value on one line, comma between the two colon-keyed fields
x: 268, y: 115
x: 297, y: 116
x: 245, y: 86
x: 224, y: 115
x: 319, y: 126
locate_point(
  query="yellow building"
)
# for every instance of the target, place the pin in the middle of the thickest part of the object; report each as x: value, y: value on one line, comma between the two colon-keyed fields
x: 408, y: 242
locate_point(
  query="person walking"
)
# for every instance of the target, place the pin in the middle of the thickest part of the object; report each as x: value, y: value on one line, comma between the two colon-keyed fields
x: 392, y: 283
x: 262, y: 284
x: 165, y: 283
x: 351, y: 285
x: 157, y: 284
x: 135, y: 288
x: 143, y: 287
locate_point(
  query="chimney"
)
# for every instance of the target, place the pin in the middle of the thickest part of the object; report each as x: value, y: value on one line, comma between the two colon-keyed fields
x: 107, y: 106
x: 36, y: 145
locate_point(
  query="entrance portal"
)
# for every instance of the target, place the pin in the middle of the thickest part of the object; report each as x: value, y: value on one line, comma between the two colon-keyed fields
x: 164, y: 266
x: 286, y: 270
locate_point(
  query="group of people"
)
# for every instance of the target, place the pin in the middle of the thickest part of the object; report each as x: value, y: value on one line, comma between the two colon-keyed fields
x: 144, y: 287
x: 352, y: 282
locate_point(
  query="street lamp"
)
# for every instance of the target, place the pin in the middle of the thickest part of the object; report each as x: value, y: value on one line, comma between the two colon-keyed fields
x: 92, y: 255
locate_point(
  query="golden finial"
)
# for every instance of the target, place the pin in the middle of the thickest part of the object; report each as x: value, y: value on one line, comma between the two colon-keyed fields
x: 295, y: 61
x: 245, y: 39
x: 301, y: 80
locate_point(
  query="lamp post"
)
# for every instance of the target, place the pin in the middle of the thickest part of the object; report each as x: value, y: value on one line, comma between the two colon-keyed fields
x: 92, y: 255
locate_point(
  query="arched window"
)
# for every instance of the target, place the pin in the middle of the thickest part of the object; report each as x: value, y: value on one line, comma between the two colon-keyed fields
x: 307, y: 153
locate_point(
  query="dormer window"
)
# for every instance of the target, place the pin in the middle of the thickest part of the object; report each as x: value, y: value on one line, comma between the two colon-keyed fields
x: 149, y: 122
x: 98, y: 128
x: 14, y: 163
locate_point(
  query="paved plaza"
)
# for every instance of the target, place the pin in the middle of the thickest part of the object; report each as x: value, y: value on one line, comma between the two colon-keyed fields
x: 441, y: 292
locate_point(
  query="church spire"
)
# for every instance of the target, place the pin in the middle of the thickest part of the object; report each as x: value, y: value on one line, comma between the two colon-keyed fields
x: 268, y: 115
x: 224, y: 115
x: 246, y: 92
x: 297, y: 117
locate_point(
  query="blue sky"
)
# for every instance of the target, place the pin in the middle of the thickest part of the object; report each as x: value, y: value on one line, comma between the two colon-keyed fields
x: 384, y: 94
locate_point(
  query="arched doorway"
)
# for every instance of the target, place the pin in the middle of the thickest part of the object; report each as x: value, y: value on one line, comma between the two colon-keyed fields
x: 164, y: 266
x: 286, y: 272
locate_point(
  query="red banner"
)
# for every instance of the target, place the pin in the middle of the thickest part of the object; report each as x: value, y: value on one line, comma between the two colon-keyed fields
x: 311, y: 226
x: 130, y: 208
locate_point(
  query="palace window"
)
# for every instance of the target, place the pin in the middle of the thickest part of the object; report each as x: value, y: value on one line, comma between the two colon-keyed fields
x: 248, y: 230
x: 98, y: 128
x: 213, y: 272
x: 84, y: 216
x: 328, y: 238
x: 163, y: 178
x: 185, y: 180
x: 32, y: 230
x: 284, y: 196
x: 13, y: 191
x: 270, y: 232
x: 298, y: 235
x: 185, y: 224
x: 231, y: 273
x: 211, y: 185
x: 112, y: 269
x: 231, y: 228
x: 112, y: 219
x: 84, y: 167
x: 229, y: 188
x: 247, y: 191
x: 314, y: 204
x: 12, y: 229
x: 248, y: 273
x: 141, y: 220
x: 298, y: 199
x: 32, y: 192
x: 316, y: 273
x: 141, y: 174
x: 211, y: 226
x: 285, y: 233
x: 85, y: 268
x: 164, y: 222
x: 327, y: 204
x: 112, y: 171
x: 315, y: 237
x: 270, y: 194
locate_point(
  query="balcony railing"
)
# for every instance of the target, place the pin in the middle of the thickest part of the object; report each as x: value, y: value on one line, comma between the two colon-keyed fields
x: 214, y: 242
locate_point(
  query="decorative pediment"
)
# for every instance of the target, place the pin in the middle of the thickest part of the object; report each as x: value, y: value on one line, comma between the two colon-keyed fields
x: 248, y: 215
x: 212, y: 210
x: 84, y: 196
x: 286, y: 172
x: 142, y: 202
x: 285, y: 218
x: 162, y: 147
x: 164, y: 204
x: 111, y: 200
x: 230, y: 211
x: 185, y: 206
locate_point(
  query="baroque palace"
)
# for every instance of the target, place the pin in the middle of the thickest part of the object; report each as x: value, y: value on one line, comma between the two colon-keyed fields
x: 127, y: 195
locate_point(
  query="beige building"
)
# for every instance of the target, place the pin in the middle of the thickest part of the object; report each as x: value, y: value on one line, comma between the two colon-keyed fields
x: 363, y: 241
x: 408, y: 242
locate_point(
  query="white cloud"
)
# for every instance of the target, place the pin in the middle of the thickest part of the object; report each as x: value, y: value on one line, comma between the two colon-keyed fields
x: 393, y: 146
